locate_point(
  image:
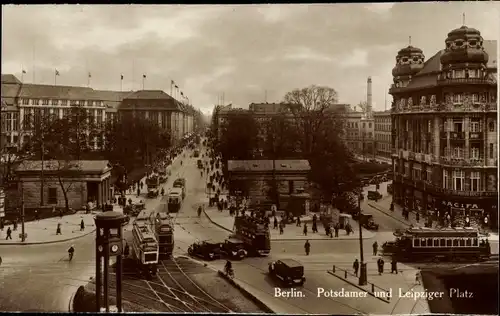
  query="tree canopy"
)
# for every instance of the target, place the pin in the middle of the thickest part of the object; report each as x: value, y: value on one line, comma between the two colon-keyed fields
x: 239, y: 136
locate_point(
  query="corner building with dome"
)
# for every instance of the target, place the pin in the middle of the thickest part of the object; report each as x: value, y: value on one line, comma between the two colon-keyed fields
x: 445, y: 130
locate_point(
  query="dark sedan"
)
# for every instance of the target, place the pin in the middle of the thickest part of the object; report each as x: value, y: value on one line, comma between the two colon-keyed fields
x: 205, y: 250
x: 233, y: 249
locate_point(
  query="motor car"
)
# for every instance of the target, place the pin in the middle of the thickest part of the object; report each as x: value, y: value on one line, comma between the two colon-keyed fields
x: 179, y: 183
x: 200, y: 164
x: 368, y: 222
x: 233, y: 248
x: 374, y: 195
x: 289, y: 271
x: 205, y: 250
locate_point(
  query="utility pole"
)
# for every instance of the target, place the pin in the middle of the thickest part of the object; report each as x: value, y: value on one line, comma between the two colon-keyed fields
x: 362, y: 274
x: 42, y: 159
x: 22, y: 212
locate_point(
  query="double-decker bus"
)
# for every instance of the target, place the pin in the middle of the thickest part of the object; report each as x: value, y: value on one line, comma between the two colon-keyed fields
x: 163, y: 228
x: 254, y: 233
x: 145, y: 247
x: 174, y: 200
x: 445, y: 244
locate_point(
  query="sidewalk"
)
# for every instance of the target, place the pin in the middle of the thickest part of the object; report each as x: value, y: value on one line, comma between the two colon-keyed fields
x: 383, y: 206
x: 291, y: 232
x: 44, y: 230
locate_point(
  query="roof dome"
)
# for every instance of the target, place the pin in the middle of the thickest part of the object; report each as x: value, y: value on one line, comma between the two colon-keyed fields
x: 464, y: 45
x: 409, y: 61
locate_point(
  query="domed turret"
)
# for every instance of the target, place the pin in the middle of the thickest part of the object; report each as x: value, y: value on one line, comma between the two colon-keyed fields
x: 464, y: 45
x: 409, y: 61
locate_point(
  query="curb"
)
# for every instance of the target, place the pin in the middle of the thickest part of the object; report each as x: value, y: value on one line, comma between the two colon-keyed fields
x: 247, y: 294
x: 386, y: 213
x: 216, y: 224
x: 70, y: 304
x: 359, y: 287
x: 44, y: 242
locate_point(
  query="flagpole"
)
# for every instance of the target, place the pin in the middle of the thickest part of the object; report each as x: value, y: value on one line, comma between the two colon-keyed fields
x: 171, y: 86
x: 22, y: 74
x: 143, y: 78
x: 88, y: 80
x: 121, y: 83
x: 34, y: 63
x: 55, y: 78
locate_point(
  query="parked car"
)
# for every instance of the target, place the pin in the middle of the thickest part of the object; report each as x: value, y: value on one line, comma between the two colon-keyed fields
x: 289, y: 271
x: 233, y: 249
x: 374, y: 195
x: 205, y: 250
x: 368, y: 222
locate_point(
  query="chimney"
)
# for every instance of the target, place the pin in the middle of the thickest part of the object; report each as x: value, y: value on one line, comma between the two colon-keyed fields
x: 369, y: 93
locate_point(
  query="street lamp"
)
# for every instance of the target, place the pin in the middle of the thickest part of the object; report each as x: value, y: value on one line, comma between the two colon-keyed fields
x: 362, y: 273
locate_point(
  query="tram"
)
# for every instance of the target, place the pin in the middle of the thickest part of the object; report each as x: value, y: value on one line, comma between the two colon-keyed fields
x: 433, y: 244
x: 145, y: 248
x: 163, y: 228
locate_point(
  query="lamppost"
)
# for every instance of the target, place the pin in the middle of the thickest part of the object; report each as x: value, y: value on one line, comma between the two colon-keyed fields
x: 362, y: 273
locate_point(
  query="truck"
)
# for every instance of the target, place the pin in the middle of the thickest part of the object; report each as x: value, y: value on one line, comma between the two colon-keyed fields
x: 153, y: 183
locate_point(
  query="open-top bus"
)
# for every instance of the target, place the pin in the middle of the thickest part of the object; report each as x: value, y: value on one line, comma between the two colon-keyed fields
x: 445, y: 244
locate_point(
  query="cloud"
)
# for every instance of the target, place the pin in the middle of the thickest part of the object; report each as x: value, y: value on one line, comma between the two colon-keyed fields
x: 243, y: 51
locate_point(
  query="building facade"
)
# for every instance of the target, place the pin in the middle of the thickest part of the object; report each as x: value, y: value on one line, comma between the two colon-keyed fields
x: 383, y: 135
x: 24, y: 104
x: 444, y: 128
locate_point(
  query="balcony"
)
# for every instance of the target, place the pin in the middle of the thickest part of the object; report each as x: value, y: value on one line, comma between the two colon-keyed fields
x: 462, y: 81
x: 419, y: 157
x: 451, y: 192
x: 475, y: 136
x: 428, y: 159
x: 453, y: 135
x: 462, y: 162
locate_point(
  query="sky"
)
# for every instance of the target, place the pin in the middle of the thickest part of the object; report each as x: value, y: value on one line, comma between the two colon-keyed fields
x: 247, y: 53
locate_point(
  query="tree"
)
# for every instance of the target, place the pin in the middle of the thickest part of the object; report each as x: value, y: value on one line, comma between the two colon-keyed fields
x: 65, y: 172
x: 239, y: 138
x: 280, y: 138
x: 320, y: 124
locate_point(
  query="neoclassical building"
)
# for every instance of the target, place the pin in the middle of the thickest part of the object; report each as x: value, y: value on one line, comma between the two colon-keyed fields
x: 444, y: 128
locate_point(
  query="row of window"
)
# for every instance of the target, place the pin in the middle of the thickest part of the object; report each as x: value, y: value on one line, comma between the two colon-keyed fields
x: 384, y: 147
x: 445, y: 242
x: 459, y: 152
x: 383, y: 137
x: 383, y: 127
x: 54, y: 102
x: 455, y: 98
x: 455, y: 124
x: 459, y: 180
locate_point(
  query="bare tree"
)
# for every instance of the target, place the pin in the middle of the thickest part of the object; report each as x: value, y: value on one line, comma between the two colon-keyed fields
x: 67, y: 173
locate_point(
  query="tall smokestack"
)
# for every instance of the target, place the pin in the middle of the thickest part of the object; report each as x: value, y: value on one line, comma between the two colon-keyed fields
x: 369, y: 94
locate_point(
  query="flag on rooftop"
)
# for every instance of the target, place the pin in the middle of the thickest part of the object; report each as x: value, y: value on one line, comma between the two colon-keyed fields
x: 57, y: 72
x: 121, y: 77
x: 24, y: 71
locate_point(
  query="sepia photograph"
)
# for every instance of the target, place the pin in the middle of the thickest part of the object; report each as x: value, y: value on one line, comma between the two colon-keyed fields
x: 337, y: 159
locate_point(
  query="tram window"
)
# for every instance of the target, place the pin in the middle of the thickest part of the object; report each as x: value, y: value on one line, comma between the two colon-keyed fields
x: 416, y: 242
x: 474, y: 242
x: 462, y: 243
x: 455, y: 242
x: 436, y: 242
x: 429, y: 242
x: 448, y: 242
x: 442, y: 242
x: 468, y: 242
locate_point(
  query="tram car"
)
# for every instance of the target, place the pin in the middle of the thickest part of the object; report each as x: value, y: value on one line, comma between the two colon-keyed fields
x: 163, y: 228
x: 145, y: 248
x: 433, y: 244
x: 254, y: 233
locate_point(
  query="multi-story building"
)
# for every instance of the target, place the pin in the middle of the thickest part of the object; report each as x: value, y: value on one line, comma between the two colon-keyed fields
x: 23, y: 104
x: 352, y: 133
x: 444, y: 121
x: 383, y: 134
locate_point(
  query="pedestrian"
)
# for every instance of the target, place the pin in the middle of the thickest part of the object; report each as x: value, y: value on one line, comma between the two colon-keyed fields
x: 281, y: 227
x: 129, y: 201
x: 305, y: 229
x: 36, y: 215
x: 138, y: 191
x: 298, y: 221
x: 394, y: 266
x: 314, y: 227
x: 58, y: 230
x: 417, y: 216
x: 9, y: 234
x: 162, y: 191
x: 275, y: 223
x: 82, y: 226
x: 380, y: 265
x: 375, y: 248
x: 60, y: 213
x: 141, y: 184
x: 126, y: 251
x: 418, y: 276
x: 467, y: 221
x: 307, y: 247
x: 1, y: 225
x: 15, y: 224
x: 355, y: 266
x: 337, y: 228
x: 348, y: 229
